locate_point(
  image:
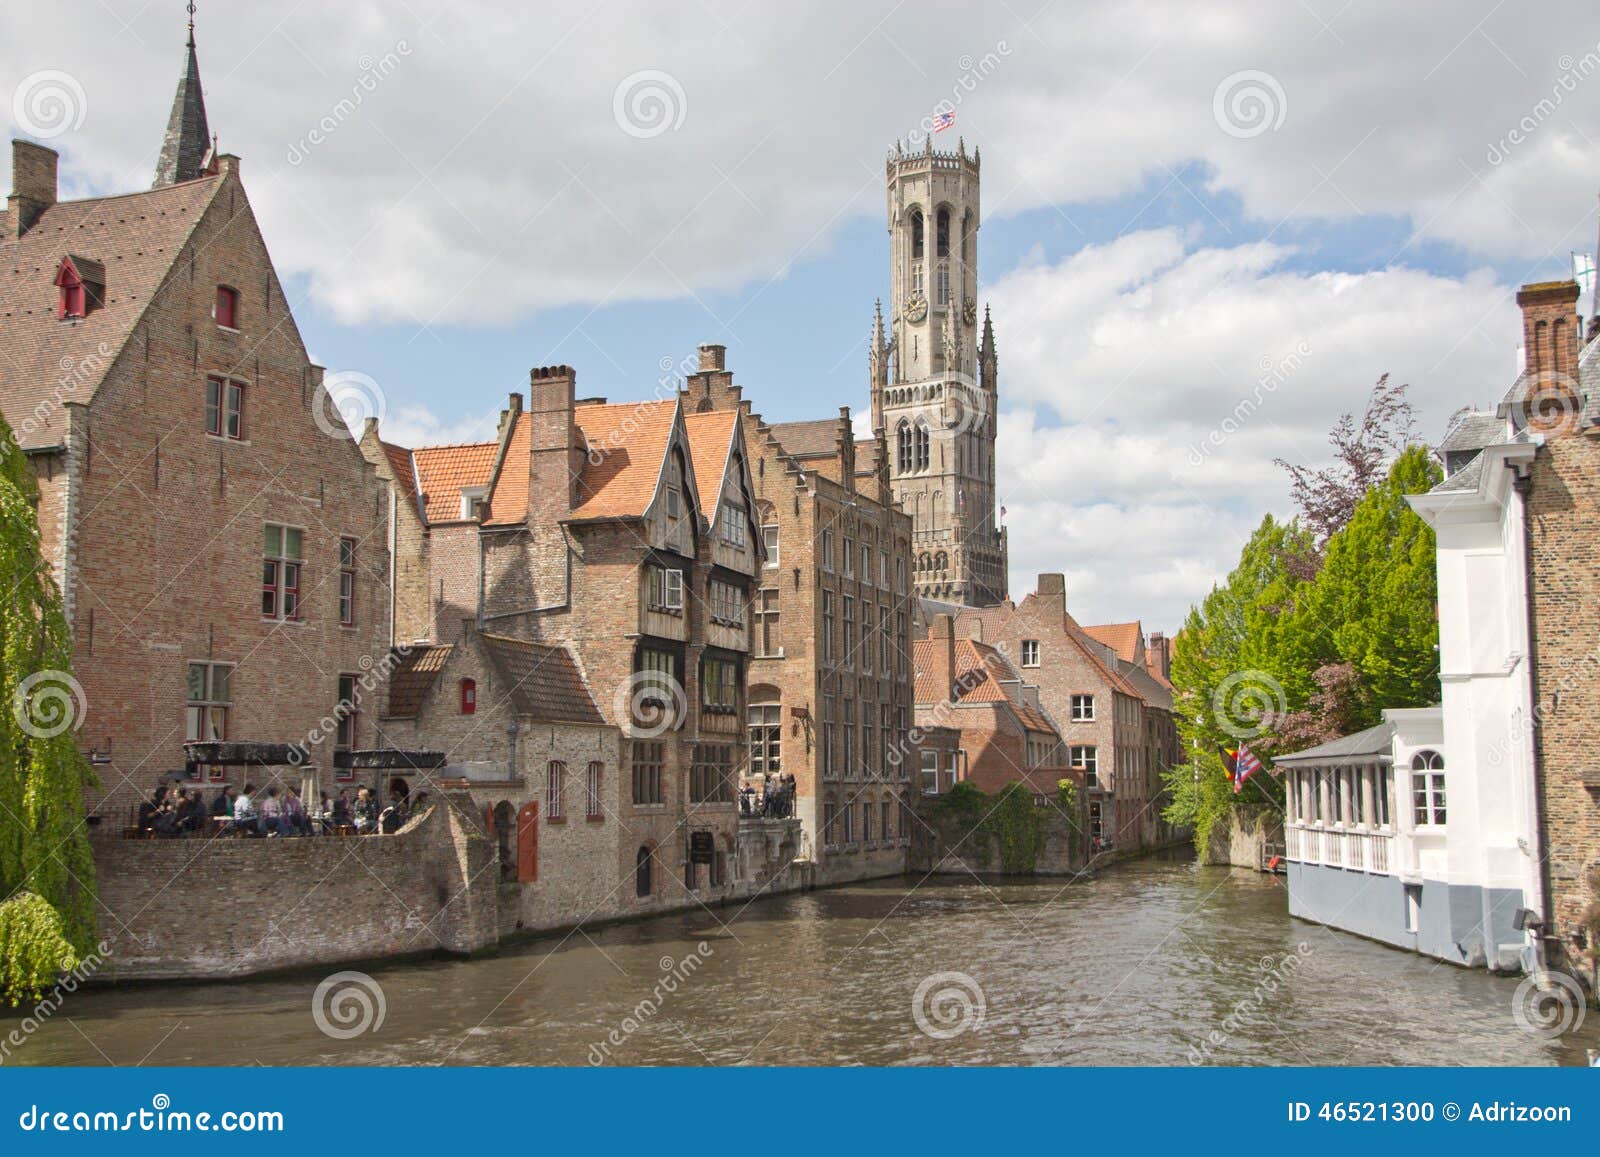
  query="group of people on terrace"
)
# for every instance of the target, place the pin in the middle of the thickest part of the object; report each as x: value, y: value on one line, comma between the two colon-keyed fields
x: 173, y: 812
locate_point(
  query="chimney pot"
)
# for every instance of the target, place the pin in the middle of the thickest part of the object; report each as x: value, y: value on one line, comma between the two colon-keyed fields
x: 713, y: 357
x: 33, y: 185
x: 1552, y: 335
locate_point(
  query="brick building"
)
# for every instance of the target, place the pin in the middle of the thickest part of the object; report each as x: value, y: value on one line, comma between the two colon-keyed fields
x: 1112, y: 707
x: 221, y: 546
x: 830, y: 672
x: 620, y: 540
x: 1004, y: 734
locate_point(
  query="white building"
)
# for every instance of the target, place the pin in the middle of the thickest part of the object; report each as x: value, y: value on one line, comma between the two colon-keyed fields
x: 1422, y: 832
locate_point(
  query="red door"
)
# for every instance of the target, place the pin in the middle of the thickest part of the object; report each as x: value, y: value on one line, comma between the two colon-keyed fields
x: 528, y: 843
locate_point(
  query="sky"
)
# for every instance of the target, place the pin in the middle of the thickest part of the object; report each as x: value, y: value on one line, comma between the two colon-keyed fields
x: 1207, y: 229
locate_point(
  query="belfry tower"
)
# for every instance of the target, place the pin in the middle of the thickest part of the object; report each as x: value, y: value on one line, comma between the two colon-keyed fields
x: 933, y: 375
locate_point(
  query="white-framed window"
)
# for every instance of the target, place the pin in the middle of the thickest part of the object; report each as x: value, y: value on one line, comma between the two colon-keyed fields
x: 769, y: 536
x: 768, y: 642
x: 1083, y: 708
x: 930, y: 773
x: 1085, y: 758
x: 866, y: 563
x: 827, y: 550
x: 280, y: 580
x: 347, y: 582
x: 1030, y: 652
x: 1427, y: 789
x: 849, y: 559
x: 555, y: 786
x: 666, y: 589
x: 473, y: 499
x: 883, y: 569
x: 766, y: 738
x: 734, y: 530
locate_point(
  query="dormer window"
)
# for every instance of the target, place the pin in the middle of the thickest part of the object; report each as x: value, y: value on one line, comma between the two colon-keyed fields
x: 226, y: 311
x: 81, y: 283
x: 473, y: 499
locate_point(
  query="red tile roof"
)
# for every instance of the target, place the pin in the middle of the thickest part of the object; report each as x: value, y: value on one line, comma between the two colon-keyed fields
x: 405, y: 473
x: 710, y: 445
x: 508, y: 505
x: 137, y: 237
x: 627, y: 450
x: 443, y: 470
x: 982, y: 675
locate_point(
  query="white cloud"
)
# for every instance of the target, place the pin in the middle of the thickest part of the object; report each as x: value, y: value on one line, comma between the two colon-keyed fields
x: 484, y: 175
x: 1147, y: 387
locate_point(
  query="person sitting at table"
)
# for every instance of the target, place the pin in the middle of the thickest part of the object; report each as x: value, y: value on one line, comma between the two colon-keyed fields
x: 342, y: 817
x: 192, y: 814
x: 222, y: 806
x: 149, y: 808
x: 272, y: 817
x: 365, y: 812
x: 245, y: 818
x: 294, y: 814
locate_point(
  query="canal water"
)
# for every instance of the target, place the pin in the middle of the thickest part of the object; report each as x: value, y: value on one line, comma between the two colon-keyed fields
x: 1156, y: 962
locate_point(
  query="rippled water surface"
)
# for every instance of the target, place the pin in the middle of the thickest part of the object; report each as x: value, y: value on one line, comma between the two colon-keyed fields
x: 1139, y: 966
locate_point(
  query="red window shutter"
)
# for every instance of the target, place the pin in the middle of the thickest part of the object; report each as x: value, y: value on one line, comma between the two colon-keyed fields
x: 469, y: 696
x: 226, y: 300
x: 528, y: 843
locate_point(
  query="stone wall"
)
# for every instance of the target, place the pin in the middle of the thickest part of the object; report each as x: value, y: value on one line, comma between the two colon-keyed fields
x: 1244, y: 843
x: 945, y: 848
x: 226, y: 907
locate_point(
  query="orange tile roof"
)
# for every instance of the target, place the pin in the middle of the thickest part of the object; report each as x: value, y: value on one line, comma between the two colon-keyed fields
x: 710, y: 441
x: 980, y: 670
x: 508, y: 504
x: 405, y: 474
x: 411, y: 678
x: 137, y: 238
x: 627, y: 448
x: 443, y: 470
x: 1123, y: 638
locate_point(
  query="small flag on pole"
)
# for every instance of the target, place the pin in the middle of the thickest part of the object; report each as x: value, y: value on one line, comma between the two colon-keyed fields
x: 943, y: 121
x: 1583, y: 271
x: 1241, y: 764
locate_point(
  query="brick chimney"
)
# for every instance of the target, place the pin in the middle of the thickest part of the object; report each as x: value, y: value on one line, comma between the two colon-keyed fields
x: 1053, y: 590
x: 713, y: 357
x: 33, y: 186
x: 556, y: 457
x: 1552, y: 335
x: 1158, y: 654
x: 942, y: 634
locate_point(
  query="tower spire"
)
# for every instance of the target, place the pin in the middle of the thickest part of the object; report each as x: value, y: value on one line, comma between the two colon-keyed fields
x: 183, y: 149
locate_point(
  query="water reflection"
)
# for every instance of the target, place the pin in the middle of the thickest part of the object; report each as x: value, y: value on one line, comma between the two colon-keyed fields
x: 1158, y: 962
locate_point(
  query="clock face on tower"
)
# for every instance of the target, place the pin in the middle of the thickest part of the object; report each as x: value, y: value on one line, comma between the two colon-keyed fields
x: 969, y: 311
x: 916, y: 308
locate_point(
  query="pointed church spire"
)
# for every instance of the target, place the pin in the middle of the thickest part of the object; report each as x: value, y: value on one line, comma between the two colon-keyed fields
x: 188, y: 138
x: 987, y: 344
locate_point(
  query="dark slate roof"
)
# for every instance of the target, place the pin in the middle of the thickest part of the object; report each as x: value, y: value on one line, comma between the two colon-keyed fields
x: 543, y: 680
x: 814, y: 439
x: 1474, y: 430
x: 188, y: 139
x: 1464, y: 479
x: 1363, y: 745
x: 409, y: 683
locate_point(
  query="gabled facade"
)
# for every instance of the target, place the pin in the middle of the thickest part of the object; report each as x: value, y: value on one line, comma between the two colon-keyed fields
x: 830, y: 670
x: 626, y: 534
x: 210, y: 530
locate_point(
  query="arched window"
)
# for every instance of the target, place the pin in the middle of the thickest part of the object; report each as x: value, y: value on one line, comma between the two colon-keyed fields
x: 903, y: 447
x: 1427, y: 788
x: 916, y: 234
x: 921, y: 445
x: 766, y: 737
x: 469, y: 696
x: 555, y: 788
x: 942, y: 233
x: 642, y: 882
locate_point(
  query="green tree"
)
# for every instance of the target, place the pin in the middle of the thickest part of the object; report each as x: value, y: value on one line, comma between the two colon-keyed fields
x: 46, y: 867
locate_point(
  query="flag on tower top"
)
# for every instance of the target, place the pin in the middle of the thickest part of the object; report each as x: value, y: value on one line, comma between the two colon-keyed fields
x: 1583, y: 271
x: 943, y: 121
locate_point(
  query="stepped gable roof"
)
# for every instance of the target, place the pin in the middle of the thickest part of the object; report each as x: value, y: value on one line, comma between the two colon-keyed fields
x: 137, y: 238
x: 542, y: 680
x: 442, y: 471
x: 410, y: 680
x: 866, y: 457
x: 818, y: 438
